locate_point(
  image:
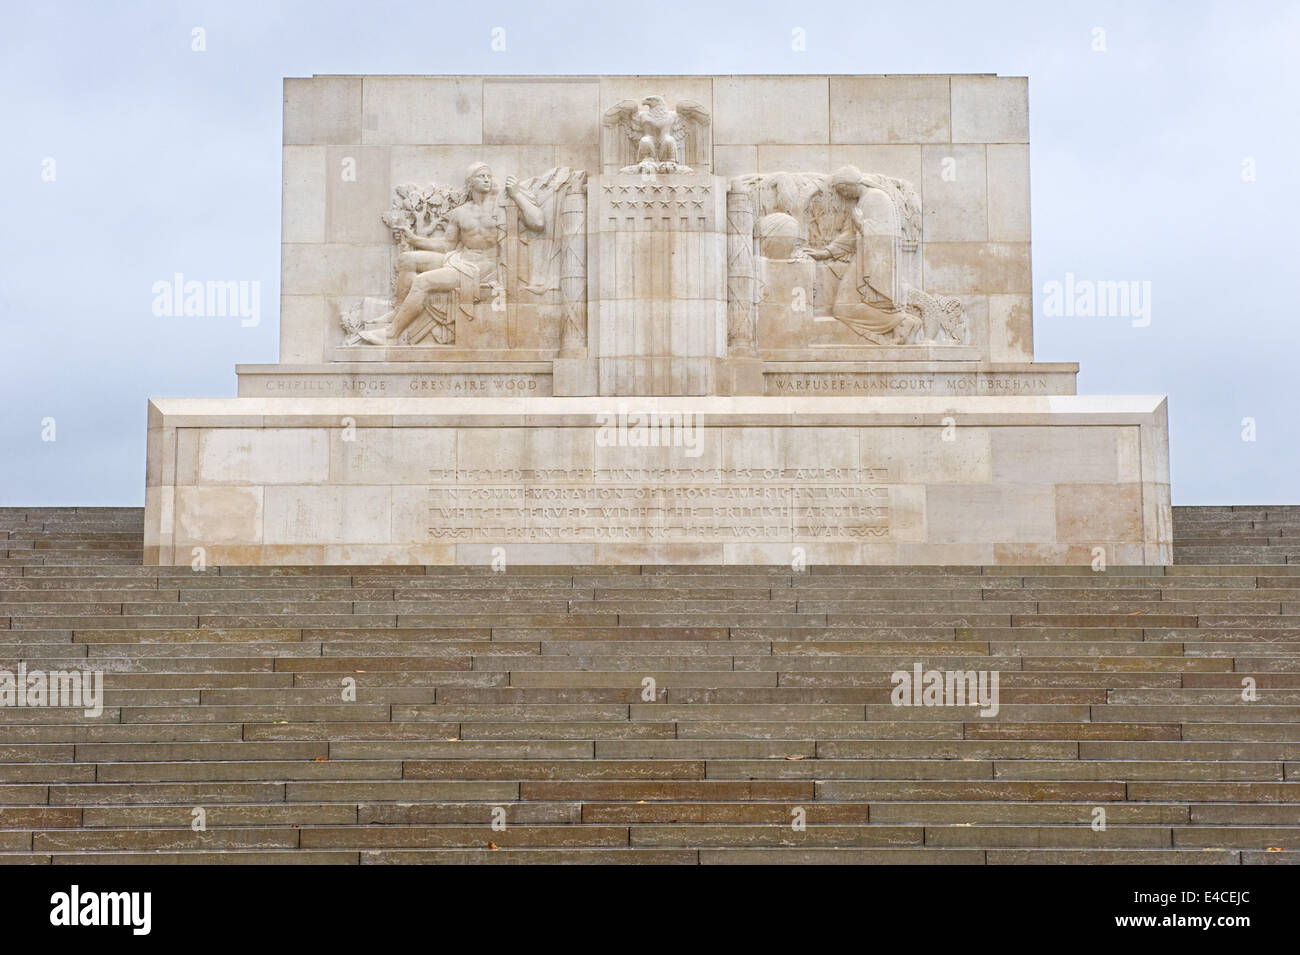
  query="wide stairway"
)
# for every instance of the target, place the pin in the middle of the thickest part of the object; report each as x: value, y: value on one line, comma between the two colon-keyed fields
x: 647, y: 714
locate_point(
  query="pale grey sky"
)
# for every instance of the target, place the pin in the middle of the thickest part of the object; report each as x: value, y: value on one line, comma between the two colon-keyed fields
x: 168, y: 160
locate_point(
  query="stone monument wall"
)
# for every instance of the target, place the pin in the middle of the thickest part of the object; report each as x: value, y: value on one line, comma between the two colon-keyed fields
x: 961, y: 142
x: 657, y: 319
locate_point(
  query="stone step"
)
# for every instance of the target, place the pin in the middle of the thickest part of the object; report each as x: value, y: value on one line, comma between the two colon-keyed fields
x: 478, y: 692
x: 198, y: 857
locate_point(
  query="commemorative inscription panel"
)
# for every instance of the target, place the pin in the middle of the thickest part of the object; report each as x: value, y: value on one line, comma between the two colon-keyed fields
x: 686, y: 505
x: 876, y: 383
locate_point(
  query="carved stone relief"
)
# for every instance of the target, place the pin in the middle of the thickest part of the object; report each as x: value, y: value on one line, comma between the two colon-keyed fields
x: 473, y: 258
x: 741, y: 278
x: 649, y: 137
x: 845, y: 246
x: 500, y: 267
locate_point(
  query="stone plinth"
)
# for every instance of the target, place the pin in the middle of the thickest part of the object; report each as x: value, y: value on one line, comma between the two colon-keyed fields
x: 667, y: 480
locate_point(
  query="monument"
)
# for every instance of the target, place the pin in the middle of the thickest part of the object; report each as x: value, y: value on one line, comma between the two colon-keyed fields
x: 657, y: 319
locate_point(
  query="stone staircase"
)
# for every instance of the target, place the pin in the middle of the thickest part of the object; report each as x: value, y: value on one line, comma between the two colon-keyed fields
x: 523, y: 696
x: 1236, y: 535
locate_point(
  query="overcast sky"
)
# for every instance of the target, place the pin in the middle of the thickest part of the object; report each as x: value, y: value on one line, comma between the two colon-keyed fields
x: 168, y: 160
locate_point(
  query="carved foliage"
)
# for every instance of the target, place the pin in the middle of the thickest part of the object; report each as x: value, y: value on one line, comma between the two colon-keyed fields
x: 422, y: 209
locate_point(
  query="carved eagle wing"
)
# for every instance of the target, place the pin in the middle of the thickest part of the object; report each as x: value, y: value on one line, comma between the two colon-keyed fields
x: 620, y: 130
x: 692, y: 122
x: 623, y: 114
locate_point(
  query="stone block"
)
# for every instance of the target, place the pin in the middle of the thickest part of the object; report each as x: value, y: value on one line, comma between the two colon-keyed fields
x: 1008, y: 192
x: 957, y: 268
x: 990, y: 109
x: 322, y: 110
x: 216, y: 515
x: 520, y: 110
x: 302, y: 209
x: 767, y: 110
x: 1011, y: 326
x: 357, y: 191
x: 422, y: 110
x: 889, y: 109
x: 954, y: 193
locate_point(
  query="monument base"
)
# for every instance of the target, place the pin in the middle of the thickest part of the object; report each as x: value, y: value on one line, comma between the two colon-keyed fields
x: 708, y: 480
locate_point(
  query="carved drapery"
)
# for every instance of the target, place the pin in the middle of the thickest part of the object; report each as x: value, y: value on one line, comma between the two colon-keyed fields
x: 855, y: 238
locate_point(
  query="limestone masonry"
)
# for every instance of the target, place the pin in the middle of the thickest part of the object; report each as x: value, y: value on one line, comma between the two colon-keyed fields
x: 657, y: 319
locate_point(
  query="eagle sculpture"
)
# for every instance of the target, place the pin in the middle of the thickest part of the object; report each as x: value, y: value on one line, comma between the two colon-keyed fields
x: 658, y: 134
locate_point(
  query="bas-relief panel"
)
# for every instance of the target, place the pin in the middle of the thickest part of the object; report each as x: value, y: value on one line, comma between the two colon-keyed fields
x: 812, y: 258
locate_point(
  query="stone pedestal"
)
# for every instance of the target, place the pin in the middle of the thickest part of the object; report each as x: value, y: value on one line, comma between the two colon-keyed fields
x: 668, y: 480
